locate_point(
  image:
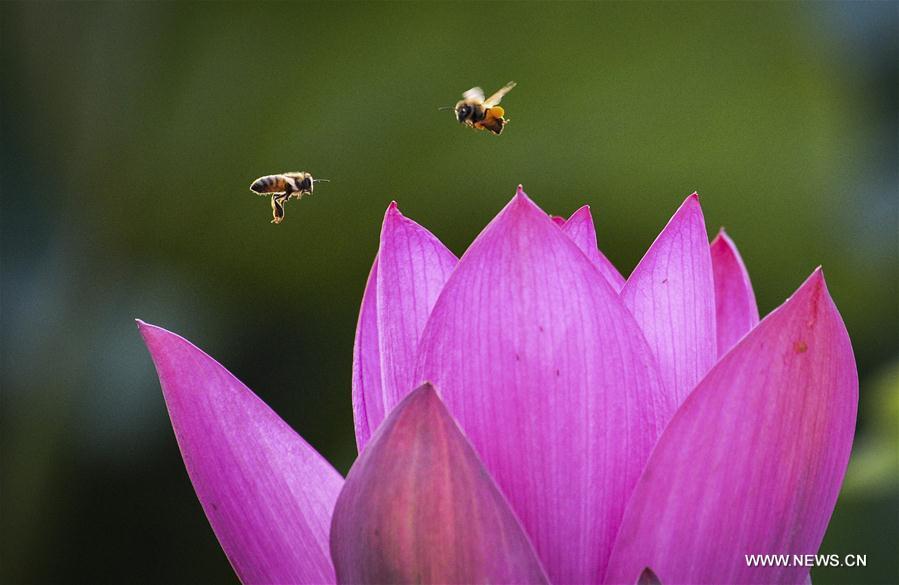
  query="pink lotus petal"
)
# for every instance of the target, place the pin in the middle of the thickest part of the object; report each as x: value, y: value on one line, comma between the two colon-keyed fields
x: 267, y: 494
x: 558, y: 220
x: 735, y: 309
x: 549, y: 377
x: 753, y: 460
x: 419, y: 507
x: 412, y: 266
x: 579, y: 228
x: 671, y: 293
x: 368, y: 401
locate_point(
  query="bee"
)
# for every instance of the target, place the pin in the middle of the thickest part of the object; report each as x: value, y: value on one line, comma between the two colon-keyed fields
x: 480, y: 113
x: 282, y: 187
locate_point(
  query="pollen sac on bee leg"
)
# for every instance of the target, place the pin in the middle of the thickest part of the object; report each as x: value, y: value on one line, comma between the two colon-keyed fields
x: 278, y: 209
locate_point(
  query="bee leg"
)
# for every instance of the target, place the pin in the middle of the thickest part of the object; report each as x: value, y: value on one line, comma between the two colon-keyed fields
x: 278, y: 208
x: 495, y: 125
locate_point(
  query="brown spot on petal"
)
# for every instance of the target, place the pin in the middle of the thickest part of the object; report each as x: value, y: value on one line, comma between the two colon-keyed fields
x: 800, y: 347
x: 648, y: 577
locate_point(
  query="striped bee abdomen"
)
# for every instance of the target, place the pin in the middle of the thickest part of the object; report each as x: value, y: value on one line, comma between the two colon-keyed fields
x: 269, y: 184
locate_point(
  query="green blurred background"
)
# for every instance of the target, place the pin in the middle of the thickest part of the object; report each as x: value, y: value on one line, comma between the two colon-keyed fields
x: 130, y: 133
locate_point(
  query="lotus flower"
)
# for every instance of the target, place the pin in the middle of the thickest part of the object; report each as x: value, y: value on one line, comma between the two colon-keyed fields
x: 526, y: 415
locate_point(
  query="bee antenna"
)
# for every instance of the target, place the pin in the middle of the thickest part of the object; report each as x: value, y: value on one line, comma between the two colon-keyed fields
x: 321, y: 180
x: 445, y: 108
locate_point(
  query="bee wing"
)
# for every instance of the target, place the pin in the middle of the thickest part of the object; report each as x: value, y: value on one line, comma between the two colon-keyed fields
x: 498, y: 96
x: 475, y: 93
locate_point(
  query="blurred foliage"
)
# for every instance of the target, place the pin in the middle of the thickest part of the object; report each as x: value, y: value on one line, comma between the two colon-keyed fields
x: 131, y: 131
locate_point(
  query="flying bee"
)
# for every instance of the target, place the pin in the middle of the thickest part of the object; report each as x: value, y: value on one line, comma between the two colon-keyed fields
x: 483, y: 114
x: 282, y: 187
